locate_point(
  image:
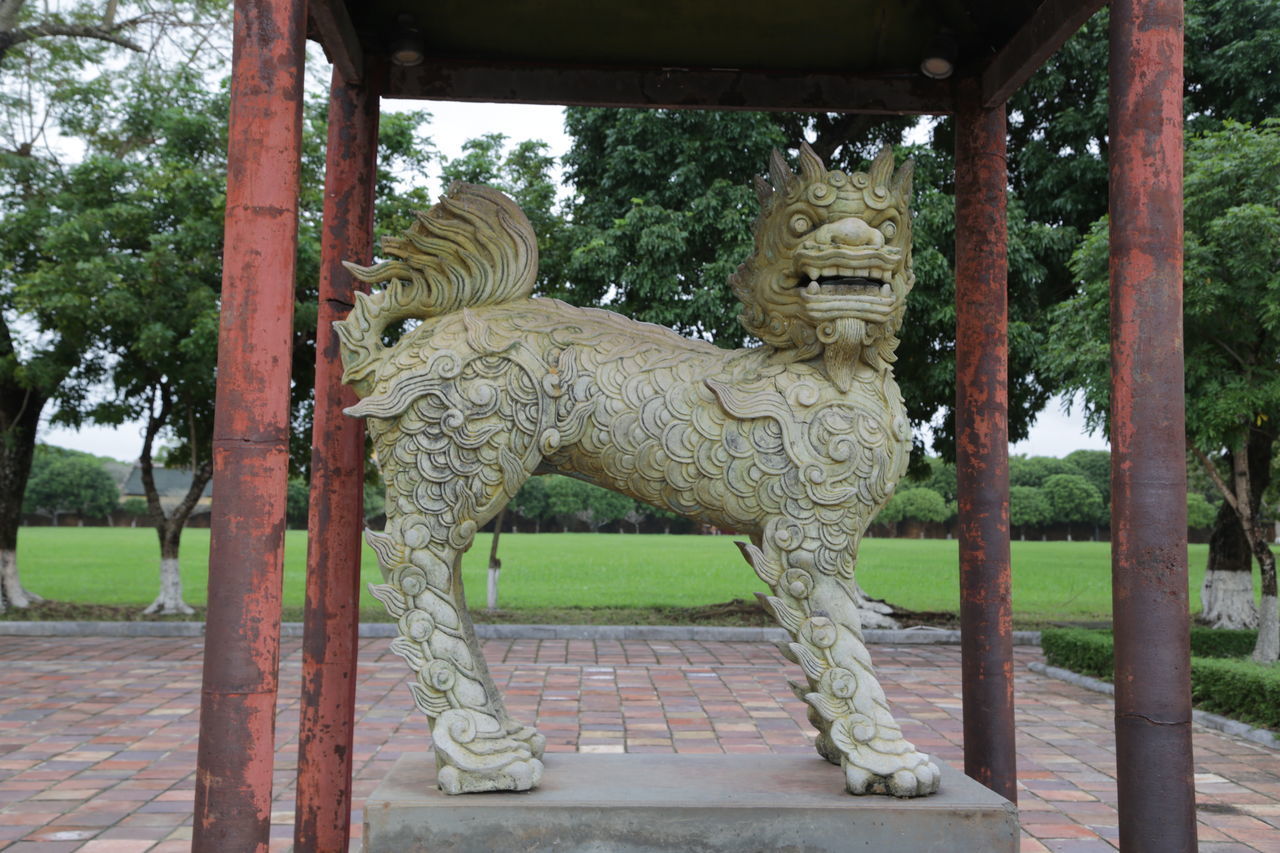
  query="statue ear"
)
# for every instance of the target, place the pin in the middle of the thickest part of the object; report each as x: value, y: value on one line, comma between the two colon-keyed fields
x: 902, y: 180
x: 780, y: 175
x: 881, y: 168
x: 812, y: 168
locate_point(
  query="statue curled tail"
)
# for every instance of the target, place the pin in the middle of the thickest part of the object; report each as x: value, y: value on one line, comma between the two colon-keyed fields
x: 476, y: 247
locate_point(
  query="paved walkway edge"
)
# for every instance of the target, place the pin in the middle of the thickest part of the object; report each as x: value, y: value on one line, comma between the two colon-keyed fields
x: 486, y: 631
x: 1226, y: 725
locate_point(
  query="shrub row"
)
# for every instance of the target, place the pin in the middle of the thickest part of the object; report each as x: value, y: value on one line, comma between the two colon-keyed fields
x: 1240, y: 689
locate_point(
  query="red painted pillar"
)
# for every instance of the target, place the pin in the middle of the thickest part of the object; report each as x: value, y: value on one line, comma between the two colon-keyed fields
x: 1148, y: 455
x: 251, y: 431
x: 982, y: 443
x: 332, y: 618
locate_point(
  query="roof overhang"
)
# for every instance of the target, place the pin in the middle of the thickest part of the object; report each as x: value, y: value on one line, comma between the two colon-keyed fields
x: 716, y: 54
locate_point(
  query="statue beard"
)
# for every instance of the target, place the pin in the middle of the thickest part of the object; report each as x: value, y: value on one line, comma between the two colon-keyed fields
x: 844, y: 340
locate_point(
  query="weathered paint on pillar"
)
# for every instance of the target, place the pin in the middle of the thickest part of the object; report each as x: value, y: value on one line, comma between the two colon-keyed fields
x: 332, y: 618
x: 1148, y: 455
x: 982, y: 442
x: 251, y: 430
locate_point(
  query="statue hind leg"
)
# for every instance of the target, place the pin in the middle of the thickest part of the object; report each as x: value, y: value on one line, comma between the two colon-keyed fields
x: 846, y: 703
x: 478, y: 746
x: 451, y: 461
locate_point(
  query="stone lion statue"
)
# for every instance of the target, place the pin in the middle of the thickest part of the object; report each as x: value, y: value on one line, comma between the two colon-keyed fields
x: 797, y: 443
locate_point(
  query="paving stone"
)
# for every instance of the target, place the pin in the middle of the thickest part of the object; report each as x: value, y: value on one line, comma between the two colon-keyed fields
x: 104, y: 731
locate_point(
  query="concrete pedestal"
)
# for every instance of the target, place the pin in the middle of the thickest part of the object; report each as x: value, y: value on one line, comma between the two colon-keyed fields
x: 687, y: 803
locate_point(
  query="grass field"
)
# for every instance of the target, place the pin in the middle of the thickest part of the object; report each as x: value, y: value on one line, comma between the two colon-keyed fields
x: 1052, y: 581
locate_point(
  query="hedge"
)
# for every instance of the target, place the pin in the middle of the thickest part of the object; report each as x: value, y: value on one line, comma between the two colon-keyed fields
x: 1218, y: 643
x: 1240, y: 689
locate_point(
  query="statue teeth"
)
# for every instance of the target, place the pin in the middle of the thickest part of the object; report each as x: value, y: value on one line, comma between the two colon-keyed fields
x: 886, y: 290
x: 814, y: 289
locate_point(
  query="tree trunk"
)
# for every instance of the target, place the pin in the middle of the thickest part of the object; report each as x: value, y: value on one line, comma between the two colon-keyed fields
x: 1267, y: 649
x: 169, y: 528
x: 1226, y: 596
x: 495, y: 565
x: 19, y: 417
x: 169, y: 601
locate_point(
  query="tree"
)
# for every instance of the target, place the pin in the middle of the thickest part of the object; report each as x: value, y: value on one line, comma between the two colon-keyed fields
x: 662, y: 212
x: 51, y: 71
x: 1072, y: 499
x: 1028, y: 507
x: 918, y: 504
x: 531, y: 501
x: 1035, y: 470
x: 1200, y: 512
x: 1096, y: 465
x: 603, y: 506
x: 564, y: 499
x: 1231, y: 321
x: 134, y: 232
x: 69, y: 482
x: 297, y: 503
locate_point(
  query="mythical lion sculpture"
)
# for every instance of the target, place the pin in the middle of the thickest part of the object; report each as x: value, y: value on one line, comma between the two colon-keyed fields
x: 797, y: 442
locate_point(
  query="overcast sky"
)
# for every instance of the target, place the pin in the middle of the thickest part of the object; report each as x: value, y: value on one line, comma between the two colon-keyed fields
x: 453, y: 123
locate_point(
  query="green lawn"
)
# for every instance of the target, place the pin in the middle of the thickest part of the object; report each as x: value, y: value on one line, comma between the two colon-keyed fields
x: 1051, y: 580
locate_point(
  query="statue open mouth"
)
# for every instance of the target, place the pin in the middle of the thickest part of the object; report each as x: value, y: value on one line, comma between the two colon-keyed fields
x: 845, y: 285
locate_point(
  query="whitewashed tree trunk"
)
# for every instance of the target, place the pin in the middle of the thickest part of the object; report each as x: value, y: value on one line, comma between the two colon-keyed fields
x: 12, y: 593
x: 493, y: 588
x: 169, y: 601
x: 495, y: 565
x: 1267, y: 649
x: 1226, y: 599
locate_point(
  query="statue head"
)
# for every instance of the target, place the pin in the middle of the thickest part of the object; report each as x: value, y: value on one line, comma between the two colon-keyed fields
x: 832, y: 265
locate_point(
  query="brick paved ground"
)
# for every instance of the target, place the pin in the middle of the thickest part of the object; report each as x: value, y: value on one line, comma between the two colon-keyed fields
x: 98, y: 736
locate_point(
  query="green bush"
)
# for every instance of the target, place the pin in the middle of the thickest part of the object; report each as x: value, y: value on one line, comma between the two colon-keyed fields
x: 1240, y: 689
x: 1220, y: 643
x: 1085, y: 652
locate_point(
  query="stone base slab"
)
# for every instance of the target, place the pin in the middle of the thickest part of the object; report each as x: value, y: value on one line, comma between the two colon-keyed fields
x: 643, y: 803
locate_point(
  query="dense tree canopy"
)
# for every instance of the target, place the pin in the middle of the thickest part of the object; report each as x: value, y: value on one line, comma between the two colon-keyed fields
x: 64, y: 481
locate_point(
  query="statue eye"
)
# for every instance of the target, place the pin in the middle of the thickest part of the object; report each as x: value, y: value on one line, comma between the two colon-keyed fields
x: 888, y: 228
x: 800, y: 224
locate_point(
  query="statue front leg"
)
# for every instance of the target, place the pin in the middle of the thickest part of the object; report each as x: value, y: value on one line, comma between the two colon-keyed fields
x: 847, y: 705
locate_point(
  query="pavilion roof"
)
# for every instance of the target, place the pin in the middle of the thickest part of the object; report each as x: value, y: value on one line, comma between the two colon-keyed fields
x: 855, y: 56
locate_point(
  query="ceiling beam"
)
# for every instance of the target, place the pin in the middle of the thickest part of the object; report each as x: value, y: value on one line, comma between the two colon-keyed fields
x: 704, y: 88
x: 1048, y: 28
x: 330, y: 24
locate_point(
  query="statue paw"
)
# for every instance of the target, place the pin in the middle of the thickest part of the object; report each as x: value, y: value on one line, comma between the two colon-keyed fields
x: 474, y: 753
x: 516, y: 776
x: 909, y: 774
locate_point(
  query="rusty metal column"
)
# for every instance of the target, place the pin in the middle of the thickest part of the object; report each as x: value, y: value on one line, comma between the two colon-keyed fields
x: 982, y: 443
x: 332, y: 618
x: 1148, y: 456
x: 251, y: 431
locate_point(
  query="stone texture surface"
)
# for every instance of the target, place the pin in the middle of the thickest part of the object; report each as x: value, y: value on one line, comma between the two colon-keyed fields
x: 707, y: 803
x: 99, y: 738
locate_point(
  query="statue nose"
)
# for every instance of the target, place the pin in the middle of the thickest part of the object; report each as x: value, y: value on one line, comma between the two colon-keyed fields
x: 853, y: 232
